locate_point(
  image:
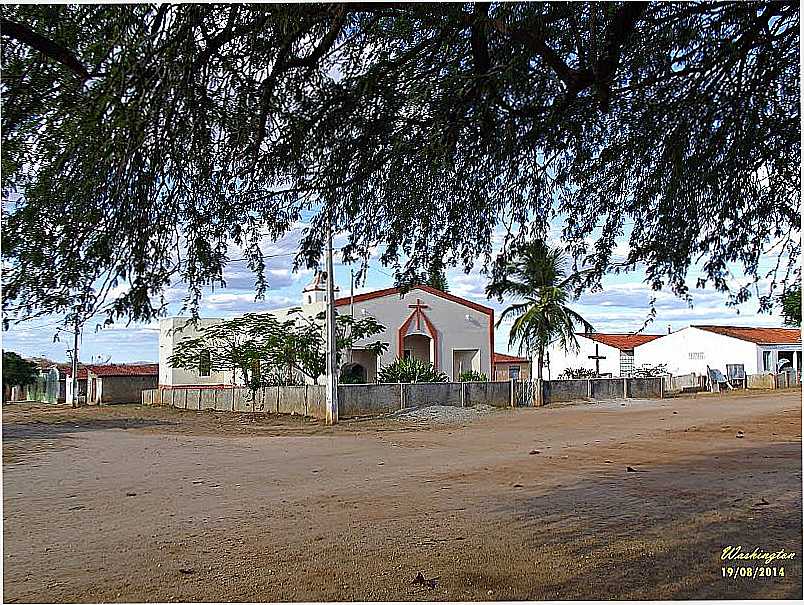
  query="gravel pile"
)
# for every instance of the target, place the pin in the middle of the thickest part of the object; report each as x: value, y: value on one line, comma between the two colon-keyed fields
x: 445, y: 414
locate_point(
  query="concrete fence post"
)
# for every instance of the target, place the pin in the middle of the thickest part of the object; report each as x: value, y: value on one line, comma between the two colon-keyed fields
x: 589, y: 388
x: 539, y: 395
x: 625, y: 388
x: 512, y: 392
x: 661, y: 387
x: 402, y: 396
x: 463, y: 394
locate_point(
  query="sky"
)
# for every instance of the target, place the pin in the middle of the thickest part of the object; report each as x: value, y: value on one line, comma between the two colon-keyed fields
x: 621, y: 307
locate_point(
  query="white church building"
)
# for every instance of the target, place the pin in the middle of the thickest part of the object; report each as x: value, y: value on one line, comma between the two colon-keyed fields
x: 453, y: 333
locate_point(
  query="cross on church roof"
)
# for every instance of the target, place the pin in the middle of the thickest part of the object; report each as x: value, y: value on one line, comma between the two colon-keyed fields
x: 418, y: 312
x: 419, y: 305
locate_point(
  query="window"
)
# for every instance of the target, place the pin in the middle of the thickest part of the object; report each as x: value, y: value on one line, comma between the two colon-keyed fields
x: 697, y: 355
x: 205, y: 364
x: 767, y: 364
x: 513, y: 372
x: 626, y: 363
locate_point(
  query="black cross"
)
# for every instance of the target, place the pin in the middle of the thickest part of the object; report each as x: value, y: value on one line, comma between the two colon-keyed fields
x: 597, y: 357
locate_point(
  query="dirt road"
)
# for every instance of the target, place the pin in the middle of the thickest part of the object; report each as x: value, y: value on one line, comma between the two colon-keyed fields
x: 141, y: 504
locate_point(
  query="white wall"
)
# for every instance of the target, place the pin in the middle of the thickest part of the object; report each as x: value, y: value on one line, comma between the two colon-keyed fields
x: 560, y: 361
x: 692, y: 350
x: 171, y: 331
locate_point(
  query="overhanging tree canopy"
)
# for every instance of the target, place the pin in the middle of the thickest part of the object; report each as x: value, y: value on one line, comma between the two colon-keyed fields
x: 133, y: 132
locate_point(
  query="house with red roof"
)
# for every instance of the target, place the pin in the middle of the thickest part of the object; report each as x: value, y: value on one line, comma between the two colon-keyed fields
x: 510, y: 367
x: 120, y: 383
x: 695, y: 348
x: 607, y: 354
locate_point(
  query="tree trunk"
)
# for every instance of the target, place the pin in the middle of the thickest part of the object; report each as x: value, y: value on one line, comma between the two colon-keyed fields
x: 540, y: 362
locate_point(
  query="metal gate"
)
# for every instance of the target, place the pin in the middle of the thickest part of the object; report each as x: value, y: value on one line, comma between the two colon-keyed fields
x: 524, y: 393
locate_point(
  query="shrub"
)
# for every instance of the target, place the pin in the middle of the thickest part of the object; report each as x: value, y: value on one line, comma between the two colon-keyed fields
x: 472, y: 376
x: 577, y: 373
x: 410, y: 370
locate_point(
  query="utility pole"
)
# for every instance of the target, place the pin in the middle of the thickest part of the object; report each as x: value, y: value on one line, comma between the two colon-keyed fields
x: 352, y: 293
x: 74, y: 377
x: 351, y: 305
x: 332, y: 362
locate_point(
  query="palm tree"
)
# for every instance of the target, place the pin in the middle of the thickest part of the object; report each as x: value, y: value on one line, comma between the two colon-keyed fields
x: 536, y: 277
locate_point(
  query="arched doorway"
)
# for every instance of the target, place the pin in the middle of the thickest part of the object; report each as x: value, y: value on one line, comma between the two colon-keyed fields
x: 418, y: 346
x: 353, y: 373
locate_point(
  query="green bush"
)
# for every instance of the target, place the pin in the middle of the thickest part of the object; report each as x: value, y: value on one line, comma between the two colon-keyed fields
x: 576, y: 373
x: 411, y: 370
x: 472, y: 376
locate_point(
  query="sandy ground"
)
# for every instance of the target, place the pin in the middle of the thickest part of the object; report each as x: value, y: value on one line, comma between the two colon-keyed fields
x: 141, y: 504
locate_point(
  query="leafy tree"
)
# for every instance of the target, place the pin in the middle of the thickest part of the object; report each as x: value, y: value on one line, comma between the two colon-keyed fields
x: 535, y: 275
x: 472, y: 376
x: 791, y: 306
x: 411, y: 370
x: 265, y: 351
x: 131, y: 130
x: 436, y: 277
x: 17, y: 371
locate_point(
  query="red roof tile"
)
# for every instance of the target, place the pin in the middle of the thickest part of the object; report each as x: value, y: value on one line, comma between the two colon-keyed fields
x: 68, y: 371
x: 113, y: 369
x: 624, y: 342
x: 503, y: 358
x: 764, y: 336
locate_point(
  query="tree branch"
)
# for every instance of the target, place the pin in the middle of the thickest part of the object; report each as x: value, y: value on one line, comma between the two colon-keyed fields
x: 480, y: 46
x: 619, y: 30
x: 46, y: 46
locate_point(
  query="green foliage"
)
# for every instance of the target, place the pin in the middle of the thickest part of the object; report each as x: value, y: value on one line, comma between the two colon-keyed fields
x: 577, y: 373
x: 132, y: 129
x: 791, y: 306
x: 351, y: 373
x: 535, y: 275
x: 411, y: 370
x: 436, y: 277
x: 472, y: 376
x: 265, y: 351
x: 18, y: 371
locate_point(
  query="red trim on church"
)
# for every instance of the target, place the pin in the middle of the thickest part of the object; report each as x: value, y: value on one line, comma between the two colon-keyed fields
x: 340, y: 302
x: 419, y: 314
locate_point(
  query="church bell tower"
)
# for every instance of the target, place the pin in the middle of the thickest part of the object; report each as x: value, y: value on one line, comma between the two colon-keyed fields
x: 316, y: 291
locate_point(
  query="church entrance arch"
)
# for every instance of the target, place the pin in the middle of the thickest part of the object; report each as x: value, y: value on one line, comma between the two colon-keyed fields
x: 417, y: 346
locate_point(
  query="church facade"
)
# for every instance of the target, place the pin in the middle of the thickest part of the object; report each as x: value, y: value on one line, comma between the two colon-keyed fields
x: 453, y: 333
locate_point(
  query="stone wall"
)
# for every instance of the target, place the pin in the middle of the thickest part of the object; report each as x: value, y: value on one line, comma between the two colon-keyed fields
x: 557, y: 391
x: 378, y: 399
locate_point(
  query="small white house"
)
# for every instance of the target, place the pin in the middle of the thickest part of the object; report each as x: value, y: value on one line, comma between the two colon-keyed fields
x: 607, y: 354
x: 695, y: 348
